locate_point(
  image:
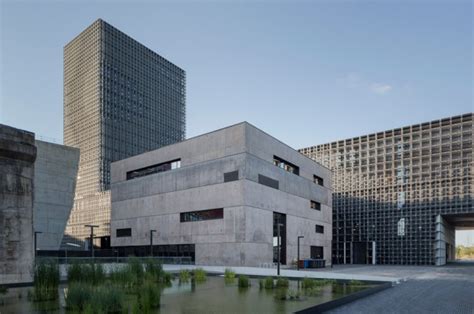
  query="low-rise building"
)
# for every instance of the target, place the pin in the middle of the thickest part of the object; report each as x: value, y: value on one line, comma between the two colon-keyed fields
x: 220, y: 197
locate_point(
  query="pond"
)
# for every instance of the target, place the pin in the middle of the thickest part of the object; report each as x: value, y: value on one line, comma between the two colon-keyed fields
x: 212, y: 296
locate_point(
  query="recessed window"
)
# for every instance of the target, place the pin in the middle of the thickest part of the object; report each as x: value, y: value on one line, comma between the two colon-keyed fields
x: 231, y: 176
x: 315, y: 205
x: 318, y: 180
x: 317, y: 252
x: 165, y: 166
x: 285, y: 165
x: 125, y: 232
x: 208, y: 214
x: 319, y: 229
x: 268, y: 181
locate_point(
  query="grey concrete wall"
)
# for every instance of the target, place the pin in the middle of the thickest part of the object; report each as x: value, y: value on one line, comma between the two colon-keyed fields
x: 55, y: 181
x: 17, y: 157
x: 245, y: 235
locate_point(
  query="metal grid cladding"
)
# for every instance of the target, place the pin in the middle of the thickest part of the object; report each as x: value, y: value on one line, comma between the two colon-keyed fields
x: 120, y: 99
x: 389, y: 188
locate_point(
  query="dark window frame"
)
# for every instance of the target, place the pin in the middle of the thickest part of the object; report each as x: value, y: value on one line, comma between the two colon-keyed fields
x: 123, y: 232
x: 318, y: 180
x: 231, y: 176
x: 153, y: 169
x: 315, y: 205
x: 282, y: 164
x: 319, y: 229
x: 267, y: 181
x: 202, y: 215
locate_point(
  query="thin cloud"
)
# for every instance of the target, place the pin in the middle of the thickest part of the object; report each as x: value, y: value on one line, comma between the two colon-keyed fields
x: 380, y: 88
x: 356, y: 81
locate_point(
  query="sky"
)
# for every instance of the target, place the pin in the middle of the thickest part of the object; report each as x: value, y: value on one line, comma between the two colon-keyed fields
x: 306, y: 72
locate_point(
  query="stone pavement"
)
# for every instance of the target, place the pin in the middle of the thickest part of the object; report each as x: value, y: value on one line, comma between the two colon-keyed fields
x: 446, y: 289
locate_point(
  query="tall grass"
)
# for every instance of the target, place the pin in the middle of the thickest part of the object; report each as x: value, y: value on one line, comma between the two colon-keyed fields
x: 148, y: 297
x: 91, y: 273
x: 46, y: 281
x: 282, y: 283
x: 83, y: 297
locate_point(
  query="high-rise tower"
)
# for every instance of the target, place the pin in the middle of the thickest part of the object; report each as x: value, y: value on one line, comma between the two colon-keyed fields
x: 120, y: 99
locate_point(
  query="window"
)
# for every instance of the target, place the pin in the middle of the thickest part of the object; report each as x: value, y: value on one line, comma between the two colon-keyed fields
x: 165, y: 166
x: 317, y: 252
x: 285, y: 165
x: 201, y: 215
x: 315, y: 205
x: 125, y: 232
x: 231, y: 176
x: 318, y: 180
x: 268, y: 181
x: 319, y: 229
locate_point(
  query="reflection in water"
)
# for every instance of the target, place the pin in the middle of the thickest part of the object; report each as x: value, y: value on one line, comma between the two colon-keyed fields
x: 212, y: 296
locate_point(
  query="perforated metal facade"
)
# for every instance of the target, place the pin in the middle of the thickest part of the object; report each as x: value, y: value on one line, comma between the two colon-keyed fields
x: 120, y: 99
x: 390, y: 188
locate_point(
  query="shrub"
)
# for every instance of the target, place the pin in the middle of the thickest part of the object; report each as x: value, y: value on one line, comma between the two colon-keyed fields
x: 199, y: 275
x: 229, y: 275
x: 282, y: 283
x: 268, y: 283
x: 46, y: 281
x: 184, y: 275
x: 244, y: 281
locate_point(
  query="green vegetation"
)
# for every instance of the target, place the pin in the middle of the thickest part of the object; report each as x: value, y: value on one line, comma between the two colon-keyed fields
x: 46, y: 281
x: 199, y: 275
x: 309, y: 283
x: 464, y: 252
x: 356, y: 283
x: 3, y: 289
x: 294, y: 294
x: 268, y: 283
x: 282, y: 283
x: 88, y: 273
x: 280, y: 294
x: 229, y: 276
x: 184, y: 276
x: 83, y: 297
x: 244, y: 281
x: 148, y: 297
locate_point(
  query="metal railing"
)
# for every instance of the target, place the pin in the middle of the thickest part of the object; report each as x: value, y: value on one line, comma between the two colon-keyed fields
x: 175, y: 260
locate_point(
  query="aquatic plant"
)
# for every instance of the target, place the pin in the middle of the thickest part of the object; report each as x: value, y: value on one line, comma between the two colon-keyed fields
x: 244, y: 281
x: 356, y: 283
x: 91, y: 273
x: 46, y: 280
x: 282, y: 282
x: 84, y: 297
x: 293, y: 294
x: 148, y: 297
x: 199, y: 275
x: 280, y: 294
x: 229, y: 275
x: 184, y: 276
x: 268, y: 283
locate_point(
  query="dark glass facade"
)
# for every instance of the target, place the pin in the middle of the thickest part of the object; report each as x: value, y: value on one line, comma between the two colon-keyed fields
x: 392, y: 187
x: 200, y: 215
x: 120, y: 99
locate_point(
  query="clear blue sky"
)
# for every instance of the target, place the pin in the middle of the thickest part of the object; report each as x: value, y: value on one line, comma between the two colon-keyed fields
x: 307, y: 72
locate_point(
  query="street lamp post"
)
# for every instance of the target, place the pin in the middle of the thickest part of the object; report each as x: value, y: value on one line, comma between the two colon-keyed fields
x: 278, y: 246
x: 298, y: 258
x: 92, y: 237
x: 36, y: 233
x: 151, y: 241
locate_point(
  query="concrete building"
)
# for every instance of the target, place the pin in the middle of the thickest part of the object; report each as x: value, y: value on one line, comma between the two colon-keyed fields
x: 17, y: 158
x: 120, y: 99
x: 55, y: 182
x: 219, y: 198
x: 399, y: 195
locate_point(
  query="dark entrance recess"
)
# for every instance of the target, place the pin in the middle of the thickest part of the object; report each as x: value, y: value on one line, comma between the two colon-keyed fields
x: 359, y: 252
x: 279, y: 218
